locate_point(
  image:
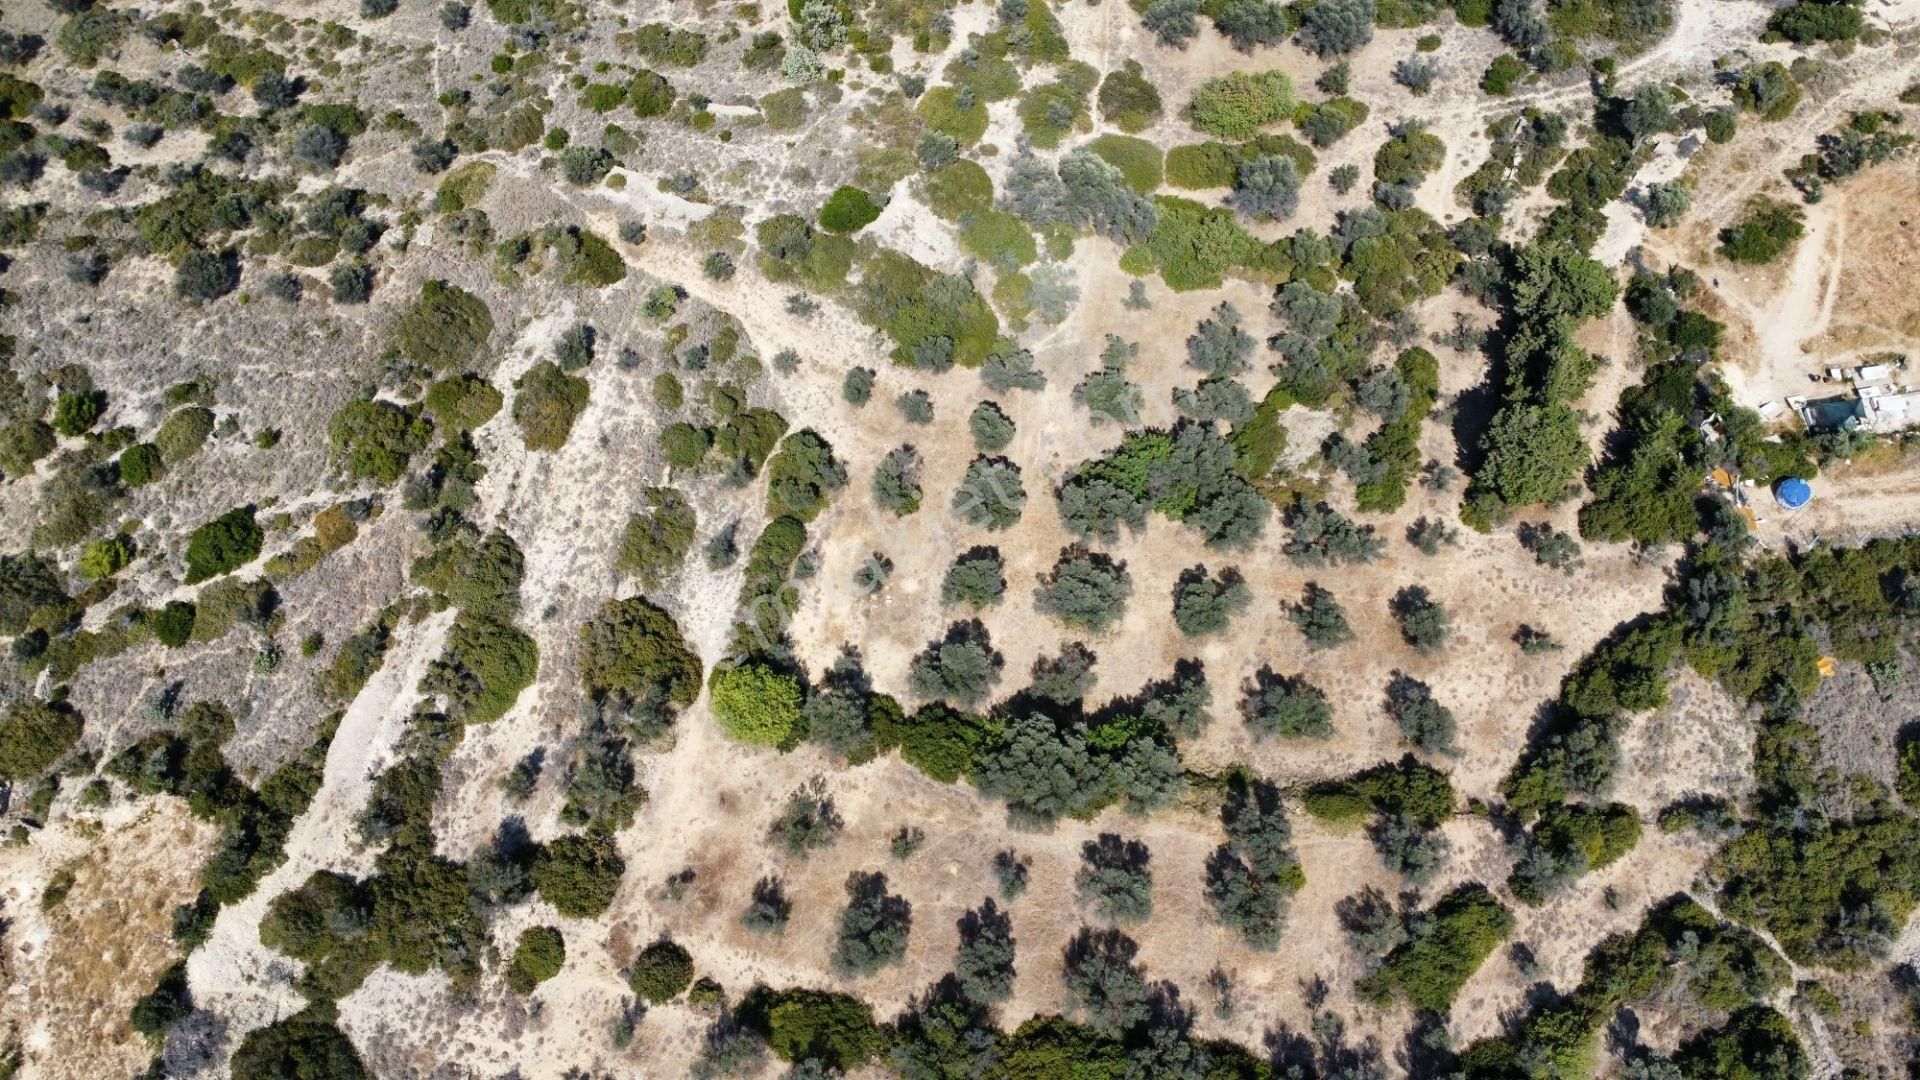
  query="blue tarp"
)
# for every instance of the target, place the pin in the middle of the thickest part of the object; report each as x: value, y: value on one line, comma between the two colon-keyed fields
x: 1793, y: 493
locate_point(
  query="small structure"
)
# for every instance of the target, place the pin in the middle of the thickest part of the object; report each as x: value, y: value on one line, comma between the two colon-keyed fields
x: 1792, y: 493
x: 1889, y: 408
x: 1876, y: 403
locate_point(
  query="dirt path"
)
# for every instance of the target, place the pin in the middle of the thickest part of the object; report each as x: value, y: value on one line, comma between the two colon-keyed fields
x: 233, y: 975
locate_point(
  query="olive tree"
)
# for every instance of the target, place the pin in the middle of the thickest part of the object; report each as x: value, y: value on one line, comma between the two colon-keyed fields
x: 1085, y: 590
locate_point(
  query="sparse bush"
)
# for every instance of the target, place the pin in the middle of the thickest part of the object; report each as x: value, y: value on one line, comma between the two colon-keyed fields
x: 1115, y: 880
x: 1010, y: 869
x: 769, y: 909
x: 1423, y: 621
x: 977, y: 579
x: 1337, y: 27
x: 1205, y: 605
x: 1288, y: 707
x: 916, y: 407
x: 873, y: 927
x: 1085, y: 590
x: 1551, y: 547
x: 1429, y: 534
x: 896, y: 481
x: 1423, y: 721
x: 1321, y: 618
x: 990, y: 495
x: 857, y: 387
x: 1064, y: 679
x: 962, y: 667
x: 808, y: 822
x: 1416, y: 74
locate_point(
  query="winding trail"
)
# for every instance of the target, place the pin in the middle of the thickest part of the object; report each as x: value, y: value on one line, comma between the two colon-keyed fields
x: 233, y: 975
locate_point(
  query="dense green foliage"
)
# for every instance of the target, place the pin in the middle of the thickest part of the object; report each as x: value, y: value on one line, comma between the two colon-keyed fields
x: 1448, y: 944
x: 222, y: 545
x: 661, y: 972
x: 757, y: 705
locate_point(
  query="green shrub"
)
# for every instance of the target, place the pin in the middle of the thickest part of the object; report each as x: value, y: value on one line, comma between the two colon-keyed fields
x: 650, y: 94
x: 999, y: 239
x: 1811, y: 21
x: 834, y: 1030
x: 1447, y: 945
x: 1768, y: 230
x: 578, y: 875
x: 1501, y: 75
x: 168, y: 1003
x: 463, y: 402
x: 546, y: 402
x: 802, y: 475
x: 172, y: 625
x: 1050, y: 111
x: 935, y: 320
x: 104, y: 558
x: 182, y: 433
x: 655, y: 545
x: 444, y: 328
x: 222, y: 545
x: 1128, y: 100
x: 757, y: 705
x: 848, y: 210
x: 304, y: 1046
x: 376, y: 438
x: 24, y: 442
x: 537, y: 958
x: 1408, y: 156
x: 632, y: 648
x: 139, y: 464
x: 486, y: 665
x: 1768, y: 89
x: 1237, y: 105
x: 1203, y: 165
x: 1137, y: 159
x: 941, y: 108
x: 957, y: 190
x: 1192, y: 246
x: 76, y: 413
x: 661, y: 972
x: 34, y: 735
